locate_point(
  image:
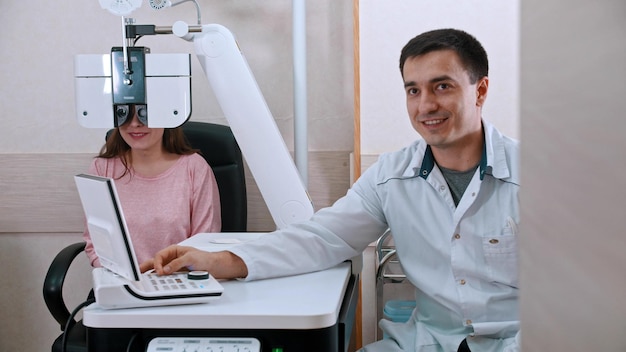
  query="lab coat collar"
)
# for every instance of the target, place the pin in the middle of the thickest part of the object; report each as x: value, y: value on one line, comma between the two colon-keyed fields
x: 493, y: 160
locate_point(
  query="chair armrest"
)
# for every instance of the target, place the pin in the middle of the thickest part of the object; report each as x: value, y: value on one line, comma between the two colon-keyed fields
x: 53, y: 283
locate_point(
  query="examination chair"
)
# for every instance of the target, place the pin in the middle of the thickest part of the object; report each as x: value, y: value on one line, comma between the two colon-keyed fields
x: 218, y: 146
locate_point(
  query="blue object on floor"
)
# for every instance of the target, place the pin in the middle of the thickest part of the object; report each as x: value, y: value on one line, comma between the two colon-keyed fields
x: 398, y: 311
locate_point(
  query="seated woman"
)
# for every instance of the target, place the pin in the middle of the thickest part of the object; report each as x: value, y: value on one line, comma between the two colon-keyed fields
x: 167, y: 191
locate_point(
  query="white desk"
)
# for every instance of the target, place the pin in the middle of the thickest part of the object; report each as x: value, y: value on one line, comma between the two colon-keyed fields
x: 308, y: 304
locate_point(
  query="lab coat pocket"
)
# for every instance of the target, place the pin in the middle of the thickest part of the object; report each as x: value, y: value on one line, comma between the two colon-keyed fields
x: 500, y: 251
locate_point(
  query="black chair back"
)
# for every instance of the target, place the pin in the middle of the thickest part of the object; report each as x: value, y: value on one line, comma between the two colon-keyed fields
x: 219, y: 148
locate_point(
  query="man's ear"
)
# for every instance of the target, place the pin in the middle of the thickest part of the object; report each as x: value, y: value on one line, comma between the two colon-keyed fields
x: 482, y: 86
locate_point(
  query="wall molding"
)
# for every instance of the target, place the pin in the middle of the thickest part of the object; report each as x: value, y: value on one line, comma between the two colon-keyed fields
x: 38, y: 195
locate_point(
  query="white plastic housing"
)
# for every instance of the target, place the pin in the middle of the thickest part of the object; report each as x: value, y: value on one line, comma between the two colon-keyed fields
x: 168, y: 90
x: 253, y: 125
x: 114, y: 292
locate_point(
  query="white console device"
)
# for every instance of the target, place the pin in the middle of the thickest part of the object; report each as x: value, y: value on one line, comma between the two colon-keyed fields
x: 119, y: 283
x: 205, y: 344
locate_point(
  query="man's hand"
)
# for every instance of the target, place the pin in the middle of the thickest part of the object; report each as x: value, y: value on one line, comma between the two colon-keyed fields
x: 222, y: 265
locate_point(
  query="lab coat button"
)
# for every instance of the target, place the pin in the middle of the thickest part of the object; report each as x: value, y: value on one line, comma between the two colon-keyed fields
x: 493, y: 241
x: 468, y: 322
x: 457, y: 236
x: 442, y: 188
x: 462, y: 282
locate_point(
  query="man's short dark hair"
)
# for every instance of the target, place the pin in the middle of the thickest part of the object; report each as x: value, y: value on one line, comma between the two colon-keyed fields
x: 470, y: 51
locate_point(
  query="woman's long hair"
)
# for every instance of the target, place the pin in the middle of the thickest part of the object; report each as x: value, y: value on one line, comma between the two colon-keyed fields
x: 174, y: 141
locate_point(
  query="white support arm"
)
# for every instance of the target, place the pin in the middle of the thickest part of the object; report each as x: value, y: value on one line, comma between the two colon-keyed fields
x: 252, y: 123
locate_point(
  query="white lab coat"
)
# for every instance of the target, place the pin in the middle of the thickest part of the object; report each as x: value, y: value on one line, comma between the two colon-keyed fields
x: 461, y: 259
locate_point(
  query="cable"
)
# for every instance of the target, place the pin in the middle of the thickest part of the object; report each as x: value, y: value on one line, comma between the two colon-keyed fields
x: 130, y: 342
x: 160, y: 4
x: 70, y: 321
x: 197, y: 8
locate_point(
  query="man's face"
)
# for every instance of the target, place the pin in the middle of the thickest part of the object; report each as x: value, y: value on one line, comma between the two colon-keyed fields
x: 444, y: 107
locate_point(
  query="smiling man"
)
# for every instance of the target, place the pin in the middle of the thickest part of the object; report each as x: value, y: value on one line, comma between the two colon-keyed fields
x: 450, y: 200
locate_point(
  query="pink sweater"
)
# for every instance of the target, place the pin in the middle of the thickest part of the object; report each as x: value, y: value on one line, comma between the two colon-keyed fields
x: 165, y: 209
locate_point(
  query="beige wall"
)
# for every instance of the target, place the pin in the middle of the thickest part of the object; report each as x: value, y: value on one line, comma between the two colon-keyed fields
x: 42, y: 146
x: 39, y: 40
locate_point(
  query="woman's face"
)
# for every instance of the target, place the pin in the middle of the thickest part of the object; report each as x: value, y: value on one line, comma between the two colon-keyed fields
x: 140, y: 138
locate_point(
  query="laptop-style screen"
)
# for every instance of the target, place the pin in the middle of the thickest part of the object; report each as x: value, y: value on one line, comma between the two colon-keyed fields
x: 107, y: 226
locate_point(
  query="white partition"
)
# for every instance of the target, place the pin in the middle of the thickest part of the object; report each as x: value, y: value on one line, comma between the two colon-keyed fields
x: 573, y: 186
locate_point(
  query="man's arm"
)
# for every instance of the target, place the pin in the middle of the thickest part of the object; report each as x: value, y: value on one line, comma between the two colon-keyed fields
x: 221, y: 265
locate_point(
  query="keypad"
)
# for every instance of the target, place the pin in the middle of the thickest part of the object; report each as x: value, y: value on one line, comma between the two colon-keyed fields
x: 172, y: 282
